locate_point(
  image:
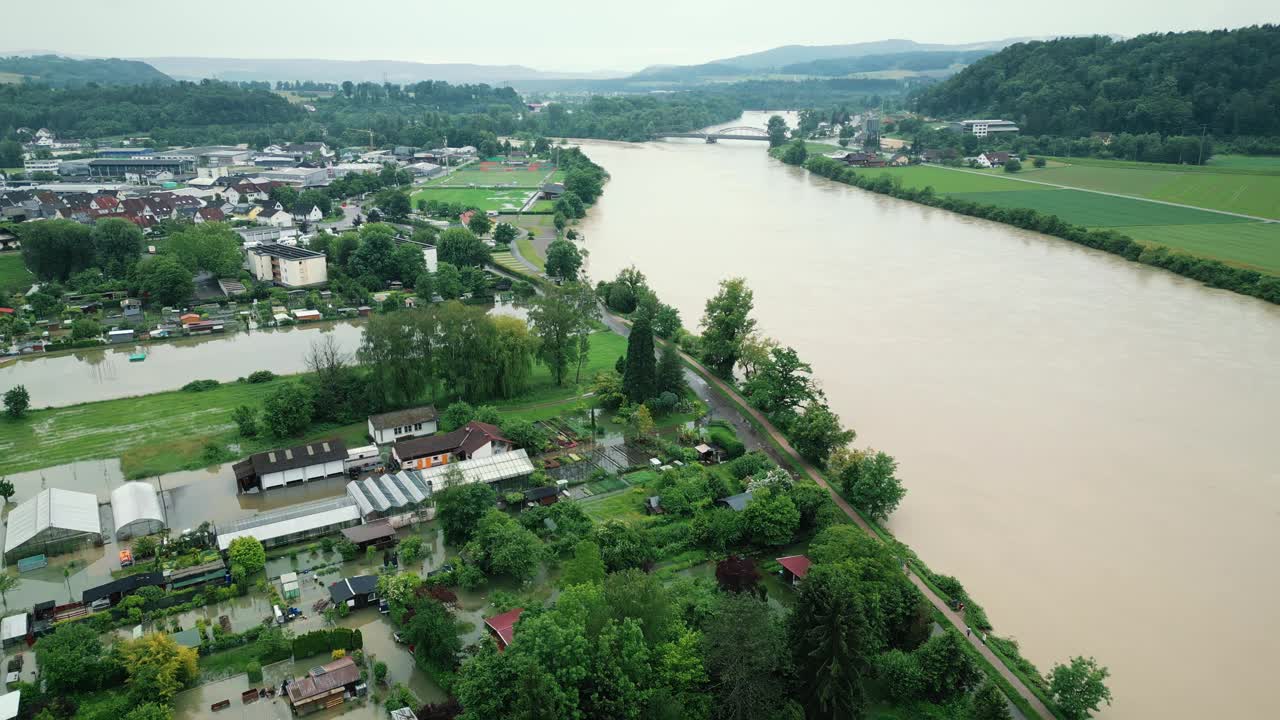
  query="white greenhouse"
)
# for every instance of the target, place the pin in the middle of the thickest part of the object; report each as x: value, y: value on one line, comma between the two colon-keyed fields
x: 137, y: 511
x: 52, y: 522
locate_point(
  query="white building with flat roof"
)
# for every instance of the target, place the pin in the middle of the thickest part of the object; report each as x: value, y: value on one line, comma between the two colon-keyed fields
x: 287, y: 265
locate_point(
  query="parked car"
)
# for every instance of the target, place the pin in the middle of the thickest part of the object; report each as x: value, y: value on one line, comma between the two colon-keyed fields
x: 384, y: 607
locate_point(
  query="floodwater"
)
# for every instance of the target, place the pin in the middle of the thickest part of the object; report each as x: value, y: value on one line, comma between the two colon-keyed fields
x: 106, y: 373
x: 1091, y: 446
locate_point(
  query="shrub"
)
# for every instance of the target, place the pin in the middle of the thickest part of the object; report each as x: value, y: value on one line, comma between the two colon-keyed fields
x: 200, y: 385
x: 261, y: 376
x: 254, y: 668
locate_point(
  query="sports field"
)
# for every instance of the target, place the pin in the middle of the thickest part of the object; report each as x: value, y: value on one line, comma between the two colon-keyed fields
x: 503, y: 200
x: 494, y: 174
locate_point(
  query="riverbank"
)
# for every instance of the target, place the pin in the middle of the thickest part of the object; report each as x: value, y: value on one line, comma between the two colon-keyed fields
x: 1007, y: 209
x: 171, y: 431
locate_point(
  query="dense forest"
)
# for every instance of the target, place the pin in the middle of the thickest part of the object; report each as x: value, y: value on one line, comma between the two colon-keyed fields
x: 163, y: 111
x: 65, y: 72
x: 1174, y: 83
x: 914, y: 61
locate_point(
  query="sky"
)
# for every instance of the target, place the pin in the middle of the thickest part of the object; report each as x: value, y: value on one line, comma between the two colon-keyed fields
x: 565, y: 35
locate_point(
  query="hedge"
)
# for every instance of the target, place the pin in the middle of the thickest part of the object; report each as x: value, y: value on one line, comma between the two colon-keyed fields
x: 317, y: 642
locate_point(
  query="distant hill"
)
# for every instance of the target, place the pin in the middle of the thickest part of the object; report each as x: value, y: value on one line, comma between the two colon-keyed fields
x: 792, y: 54
x: 270, y: 70
x: 914, y: 62
x: 66, y: 72
x: 1168, y: 83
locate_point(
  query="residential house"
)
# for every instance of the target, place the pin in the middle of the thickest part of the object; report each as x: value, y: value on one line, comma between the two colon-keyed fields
x: 313, y: 215
x: 474, y: 440
x: 465, y: 217
x: 209, y: 214
x: 276, y: 218
x: 355, y: 592
x: 934, y: 155
x: 503, y: 627
x: 286, y: 265
x: 402, y: 424
x: 324, y: 687
x: 277, y: 468
x: 899, y: 160
x: 993, y: 159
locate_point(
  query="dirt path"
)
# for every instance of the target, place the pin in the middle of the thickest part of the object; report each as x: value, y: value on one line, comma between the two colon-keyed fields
x: 954, y: 618
x: 1111, y: 194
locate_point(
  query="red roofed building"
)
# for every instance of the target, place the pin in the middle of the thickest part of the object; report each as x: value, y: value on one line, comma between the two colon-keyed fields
x: 465, y: 217
x: 473, y: 440
x: 503, y: 627
x: 794, y: 568
x: 209, y: 214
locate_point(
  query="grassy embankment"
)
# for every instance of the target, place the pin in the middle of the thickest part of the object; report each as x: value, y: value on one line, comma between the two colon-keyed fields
x: 14, y: 276
x: 1233, y: 240
x: 530, y: 253
x: 167, y: 432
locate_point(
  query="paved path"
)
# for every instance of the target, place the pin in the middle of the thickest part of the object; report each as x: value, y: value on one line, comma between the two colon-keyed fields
x: 1111, y: 194
x: 954, y: 618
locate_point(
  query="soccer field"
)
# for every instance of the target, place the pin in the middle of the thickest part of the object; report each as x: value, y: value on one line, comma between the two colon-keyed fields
x: 487, y: 174
x: 500, y: 199
x: 1094, y: 210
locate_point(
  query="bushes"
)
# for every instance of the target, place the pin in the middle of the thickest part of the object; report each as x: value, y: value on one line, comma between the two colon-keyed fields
x: 721, y: 433
x: 319, y: 642
x: 261, y: 376
x: 254, y: 668
x: 200, y: 385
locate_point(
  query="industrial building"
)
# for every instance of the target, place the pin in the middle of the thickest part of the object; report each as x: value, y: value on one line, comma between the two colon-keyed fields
x: 52, y: 522
x: 137, y: 511
x: 286, y: 466
x: 504, y: 467
x: 389, y: 494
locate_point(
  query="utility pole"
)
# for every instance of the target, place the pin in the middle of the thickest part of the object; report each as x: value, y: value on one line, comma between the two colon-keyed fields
x: 1203, y: 130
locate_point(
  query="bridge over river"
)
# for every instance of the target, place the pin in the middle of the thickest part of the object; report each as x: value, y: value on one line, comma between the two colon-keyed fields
x: 733, y: 133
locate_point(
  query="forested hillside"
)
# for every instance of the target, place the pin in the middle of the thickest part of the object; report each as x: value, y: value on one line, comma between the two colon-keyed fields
x: 96, y: 112
x: 911, y: 61
x: 1168, y: 83
x: 65, y: 72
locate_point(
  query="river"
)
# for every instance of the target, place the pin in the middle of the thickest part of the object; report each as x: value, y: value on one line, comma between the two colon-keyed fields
x: 1090, y: 445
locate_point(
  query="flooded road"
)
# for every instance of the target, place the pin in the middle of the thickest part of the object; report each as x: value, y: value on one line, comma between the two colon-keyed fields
x: 106, y: 373
x: 1089, y: 445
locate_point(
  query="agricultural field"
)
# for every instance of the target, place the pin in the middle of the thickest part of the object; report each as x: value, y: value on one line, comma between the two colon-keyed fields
x: 946, y: 181
x: 502, y: 200
x: 14, y: 276
x: 1095, y: 210
x: 1267, y: 163
x: 1253, y: 245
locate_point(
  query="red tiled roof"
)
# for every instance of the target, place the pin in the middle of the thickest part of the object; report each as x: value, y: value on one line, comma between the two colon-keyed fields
x: 504, y: 625
x: 797, y: 564
x: 211, y: 214
x: 336, y: 674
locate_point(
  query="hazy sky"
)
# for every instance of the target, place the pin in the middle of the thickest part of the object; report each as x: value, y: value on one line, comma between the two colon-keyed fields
x: 570, y: 35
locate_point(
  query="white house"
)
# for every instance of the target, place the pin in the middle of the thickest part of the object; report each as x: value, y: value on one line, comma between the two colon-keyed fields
x: 276, y: 218
x: 312, y: 215
x: 401, y: 424
x: 287, y: 265
x: 473, y: 440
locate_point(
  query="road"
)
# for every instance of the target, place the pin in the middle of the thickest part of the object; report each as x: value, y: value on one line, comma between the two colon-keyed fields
x: 747, y: 430
x: 1007, y: 176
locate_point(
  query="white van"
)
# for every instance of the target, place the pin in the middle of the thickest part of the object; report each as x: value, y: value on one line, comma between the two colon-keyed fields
x: 279, y: 616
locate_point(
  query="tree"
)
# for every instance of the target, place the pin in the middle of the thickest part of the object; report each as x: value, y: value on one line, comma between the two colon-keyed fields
x: 375, y: 255
x: 246, y: 420
x: 796, y: 153
x: 212, y: 247
x: 409, y: 264
x: 526, y: 434
x: 745, y: 649
x: 11, y: 155
x: 586, y: 566
x: 479, y: 224
x: 287, y: 411
x: 666, y: 320
x: 1012, y: 165
x: 869, y: 480
x: 248, y: 553
x: 782, y: 384
x: 55, y: 249
x: 639, y: 375
x: 988, y: 703
x: 770, y: 518
x: 817, y: 432
x: 557, y: 321
x: 777, y: 129
x: 737, y: 573
x: 1039, y: 162
x: 8, y: 582
x: 623, y: 546
x: 393, y: 203
x: 829, y: 642
x: 560, y: 221
x: 448, y: 281
x: 640, y: 427
x: 459, y: 508
x: 158, y: 667
x: 164, y: 281
x: 505, y: 233
x: 727, y: 322
x: 669, y: 376
x: 563, y: 260
x: 6, y: 489
x: 71, y: 659
x: 85, y: 329
x: 410, y: 550
x: 145, y: 546
x: 117, y: 244
x: 1079, y: 687
x: 946, y: 670
x: 461, y: 248
x: 16, y: 402
x: 502, y: 547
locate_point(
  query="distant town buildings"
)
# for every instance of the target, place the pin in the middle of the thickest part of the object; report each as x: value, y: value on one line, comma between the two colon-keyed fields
x: 983, y: 128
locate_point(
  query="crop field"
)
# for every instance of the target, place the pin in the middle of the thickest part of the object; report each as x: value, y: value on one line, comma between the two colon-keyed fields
x: 1094, y: 210
x: 1253, y: 245
x: 945, y: 181
x: 13, y: 273
x: 1269, y: 163
x: 503, y: 200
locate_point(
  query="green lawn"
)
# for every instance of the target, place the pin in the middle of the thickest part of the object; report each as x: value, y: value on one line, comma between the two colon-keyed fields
x: 1267, y: 163
x: 1250, y: 244
x: 13, y: 273
x: 506, y: 260
x: 503, y: 200
x: 167, y: 432
x: 627, y: 505
x: 1094, y: 210
x: 523, y: 177
x: 530, y: 253
x: 1249, y: 194
x: 944, y: 180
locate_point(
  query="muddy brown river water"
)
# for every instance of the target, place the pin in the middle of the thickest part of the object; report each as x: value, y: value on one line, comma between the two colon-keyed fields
x: 1091, y: 446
